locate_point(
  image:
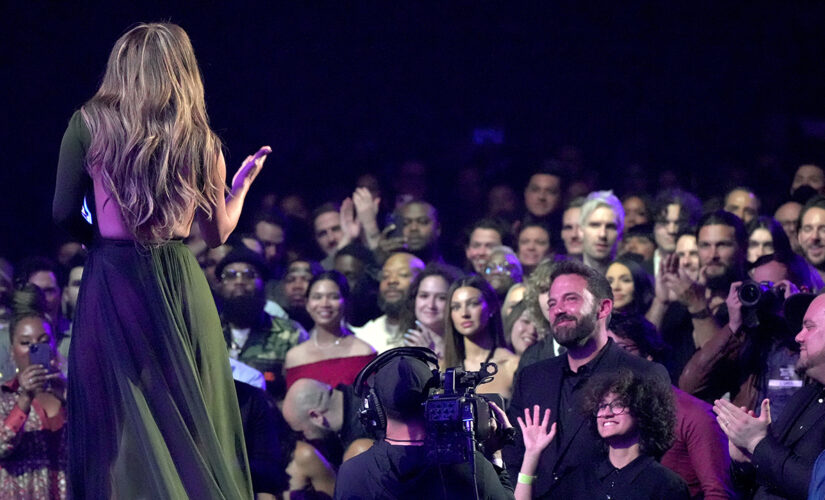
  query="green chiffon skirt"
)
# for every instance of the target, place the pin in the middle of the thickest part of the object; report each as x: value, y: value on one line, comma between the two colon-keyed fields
x: 152, y: 406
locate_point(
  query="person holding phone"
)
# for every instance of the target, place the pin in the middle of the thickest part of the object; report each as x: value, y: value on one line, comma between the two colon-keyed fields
x: 32, y: 407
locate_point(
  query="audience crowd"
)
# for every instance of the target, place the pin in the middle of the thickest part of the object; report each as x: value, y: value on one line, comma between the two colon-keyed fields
x: 678, y: 342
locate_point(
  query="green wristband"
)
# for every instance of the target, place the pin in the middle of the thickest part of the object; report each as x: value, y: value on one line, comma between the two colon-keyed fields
x: 525, y: 479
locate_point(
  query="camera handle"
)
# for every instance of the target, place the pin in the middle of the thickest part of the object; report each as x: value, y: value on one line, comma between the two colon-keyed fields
x: 468, y: 419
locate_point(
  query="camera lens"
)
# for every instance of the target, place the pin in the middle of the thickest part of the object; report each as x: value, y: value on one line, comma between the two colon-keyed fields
x: 749, y: 293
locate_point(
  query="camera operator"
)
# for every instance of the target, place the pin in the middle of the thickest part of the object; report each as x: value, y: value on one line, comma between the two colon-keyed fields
x: 401, y: 465
x: 753, y: 356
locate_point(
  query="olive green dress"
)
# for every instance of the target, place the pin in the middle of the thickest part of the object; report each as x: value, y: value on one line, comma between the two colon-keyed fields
x: 151, y: 402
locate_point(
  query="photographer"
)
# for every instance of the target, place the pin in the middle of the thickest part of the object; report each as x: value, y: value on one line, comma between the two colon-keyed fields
x: 401, y: 465
x: 753, y: 356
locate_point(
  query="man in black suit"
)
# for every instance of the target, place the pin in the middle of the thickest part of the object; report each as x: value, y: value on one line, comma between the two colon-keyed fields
x: 580, y: 304
x: 776, y: 460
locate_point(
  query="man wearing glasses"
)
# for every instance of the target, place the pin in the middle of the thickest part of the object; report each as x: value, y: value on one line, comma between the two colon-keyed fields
x: 253, y: 336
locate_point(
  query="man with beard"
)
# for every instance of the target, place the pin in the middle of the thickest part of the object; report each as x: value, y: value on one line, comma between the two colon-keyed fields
x: 503, y: 270
x: 811, y: 233
x: 252, y: 336
x: 580, y: 303
x: 421, y: 229
x: 694, y: 308
x: 384, y: 333
x: 775, y: 459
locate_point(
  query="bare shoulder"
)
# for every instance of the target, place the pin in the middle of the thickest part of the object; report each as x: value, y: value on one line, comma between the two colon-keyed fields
x: 295, y: 355
x: 359, y: 347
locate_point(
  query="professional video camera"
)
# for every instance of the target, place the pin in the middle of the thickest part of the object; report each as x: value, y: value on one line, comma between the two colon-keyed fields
x: 759, y: 298
x: 458, y: 418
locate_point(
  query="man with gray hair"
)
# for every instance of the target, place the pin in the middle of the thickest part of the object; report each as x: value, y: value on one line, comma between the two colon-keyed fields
x: 602, y: 224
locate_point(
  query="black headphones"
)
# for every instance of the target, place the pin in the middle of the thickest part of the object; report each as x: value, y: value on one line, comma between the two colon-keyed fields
x: 372, y: 414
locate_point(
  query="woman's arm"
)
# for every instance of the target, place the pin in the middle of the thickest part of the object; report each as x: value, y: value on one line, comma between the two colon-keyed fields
x: 536, y: 439
x: 227, y: 211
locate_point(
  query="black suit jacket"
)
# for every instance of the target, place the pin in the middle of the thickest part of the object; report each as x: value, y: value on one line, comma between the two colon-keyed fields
x: 783, y: 461
x: 541, y: 383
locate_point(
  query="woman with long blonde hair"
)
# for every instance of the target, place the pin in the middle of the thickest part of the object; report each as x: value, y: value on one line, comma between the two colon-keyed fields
x: 152, y: 407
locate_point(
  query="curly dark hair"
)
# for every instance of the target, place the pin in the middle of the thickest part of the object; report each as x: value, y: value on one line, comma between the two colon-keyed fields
x: 649, y: 400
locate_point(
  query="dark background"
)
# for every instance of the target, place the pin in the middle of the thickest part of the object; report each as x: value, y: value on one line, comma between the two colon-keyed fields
x: 721, y: 94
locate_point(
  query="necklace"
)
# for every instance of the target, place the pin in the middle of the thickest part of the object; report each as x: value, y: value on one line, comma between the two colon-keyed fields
x: 336, y: 342
x: 404, y: 440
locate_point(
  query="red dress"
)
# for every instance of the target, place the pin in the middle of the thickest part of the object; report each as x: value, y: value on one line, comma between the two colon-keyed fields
x: 330, y: 371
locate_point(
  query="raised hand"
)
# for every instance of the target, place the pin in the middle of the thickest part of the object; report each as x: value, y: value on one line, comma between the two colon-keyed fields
x: 534, y: 432
x: 249, y: 170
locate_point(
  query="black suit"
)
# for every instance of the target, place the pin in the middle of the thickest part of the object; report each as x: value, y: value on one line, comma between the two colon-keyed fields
x: 541, y: 384
x: 783, y: 461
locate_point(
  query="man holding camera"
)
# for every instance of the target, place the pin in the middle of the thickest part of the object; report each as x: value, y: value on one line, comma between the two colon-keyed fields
x: 400, y: 465
x: 753, y: 356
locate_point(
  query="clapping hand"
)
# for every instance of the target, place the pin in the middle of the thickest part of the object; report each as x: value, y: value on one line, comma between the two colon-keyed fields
x: 743, y: 428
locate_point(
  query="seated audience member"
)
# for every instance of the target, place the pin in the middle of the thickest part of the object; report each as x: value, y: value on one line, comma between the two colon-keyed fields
x: 766, y: 236
x: 535, y: 296
x: 45, y: 274
x: 634, y: 417
x: 788, y: 216
x: 332, y: 354
x: 743, y: 203
x: 358, y: 265
x: 295, y: 285
x: 503, y: 270
x: 482, y: 237
x: 753, y: 356
x: 636, y: 210
x: 544, y: 197
x: 675, y: 212
x: 269, y: 227
x: 385, y: 332
x: 520, y: 329
x: 421, y: 230
x: 809, y: 175
x: 699, y: 452
x: 811, y: 235
x: 640, y: 240
x: 474, y: 334
x: 580, y: 303
x: 400, y: 465
x: 329, y: 232
x: 514, y: 295
x: 774, y: 458
x: 571, y: 234
x: 533, y: 246
x: 264, y: 430
x: 688, y: 311
x: 33, y: 455
x: 253, y: 336
x: 325, y: 417
x: 425, y: 308
x: 602, y: 226
x: 632, y: 286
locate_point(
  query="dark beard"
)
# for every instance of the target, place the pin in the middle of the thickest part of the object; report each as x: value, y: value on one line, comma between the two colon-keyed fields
x: 721, y: 283
x: 575, y: 336
x: 391, y: 309
x: 243, y: 311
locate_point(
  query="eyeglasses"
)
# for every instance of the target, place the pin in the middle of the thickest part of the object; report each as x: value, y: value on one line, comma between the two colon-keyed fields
x: 498, y: 268
x: 245, y: 275
x: 617, y: 407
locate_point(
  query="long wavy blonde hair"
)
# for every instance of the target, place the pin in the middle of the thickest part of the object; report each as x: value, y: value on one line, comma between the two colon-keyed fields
x: 152, y: 146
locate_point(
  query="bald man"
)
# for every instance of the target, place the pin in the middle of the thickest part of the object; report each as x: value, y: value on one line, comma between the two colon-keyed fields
x: 384, y: 332
x: 321, y: 413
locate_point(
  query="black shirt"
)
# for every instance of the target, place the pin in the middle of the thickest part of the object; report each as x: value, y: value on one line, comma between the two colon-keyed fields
x: 389, y: 471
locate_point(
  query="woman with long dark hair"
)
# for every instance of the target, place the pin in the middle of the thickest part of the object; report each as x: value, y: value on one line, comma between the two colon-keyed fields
x: 474, y: 334
x: 152, y: 407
